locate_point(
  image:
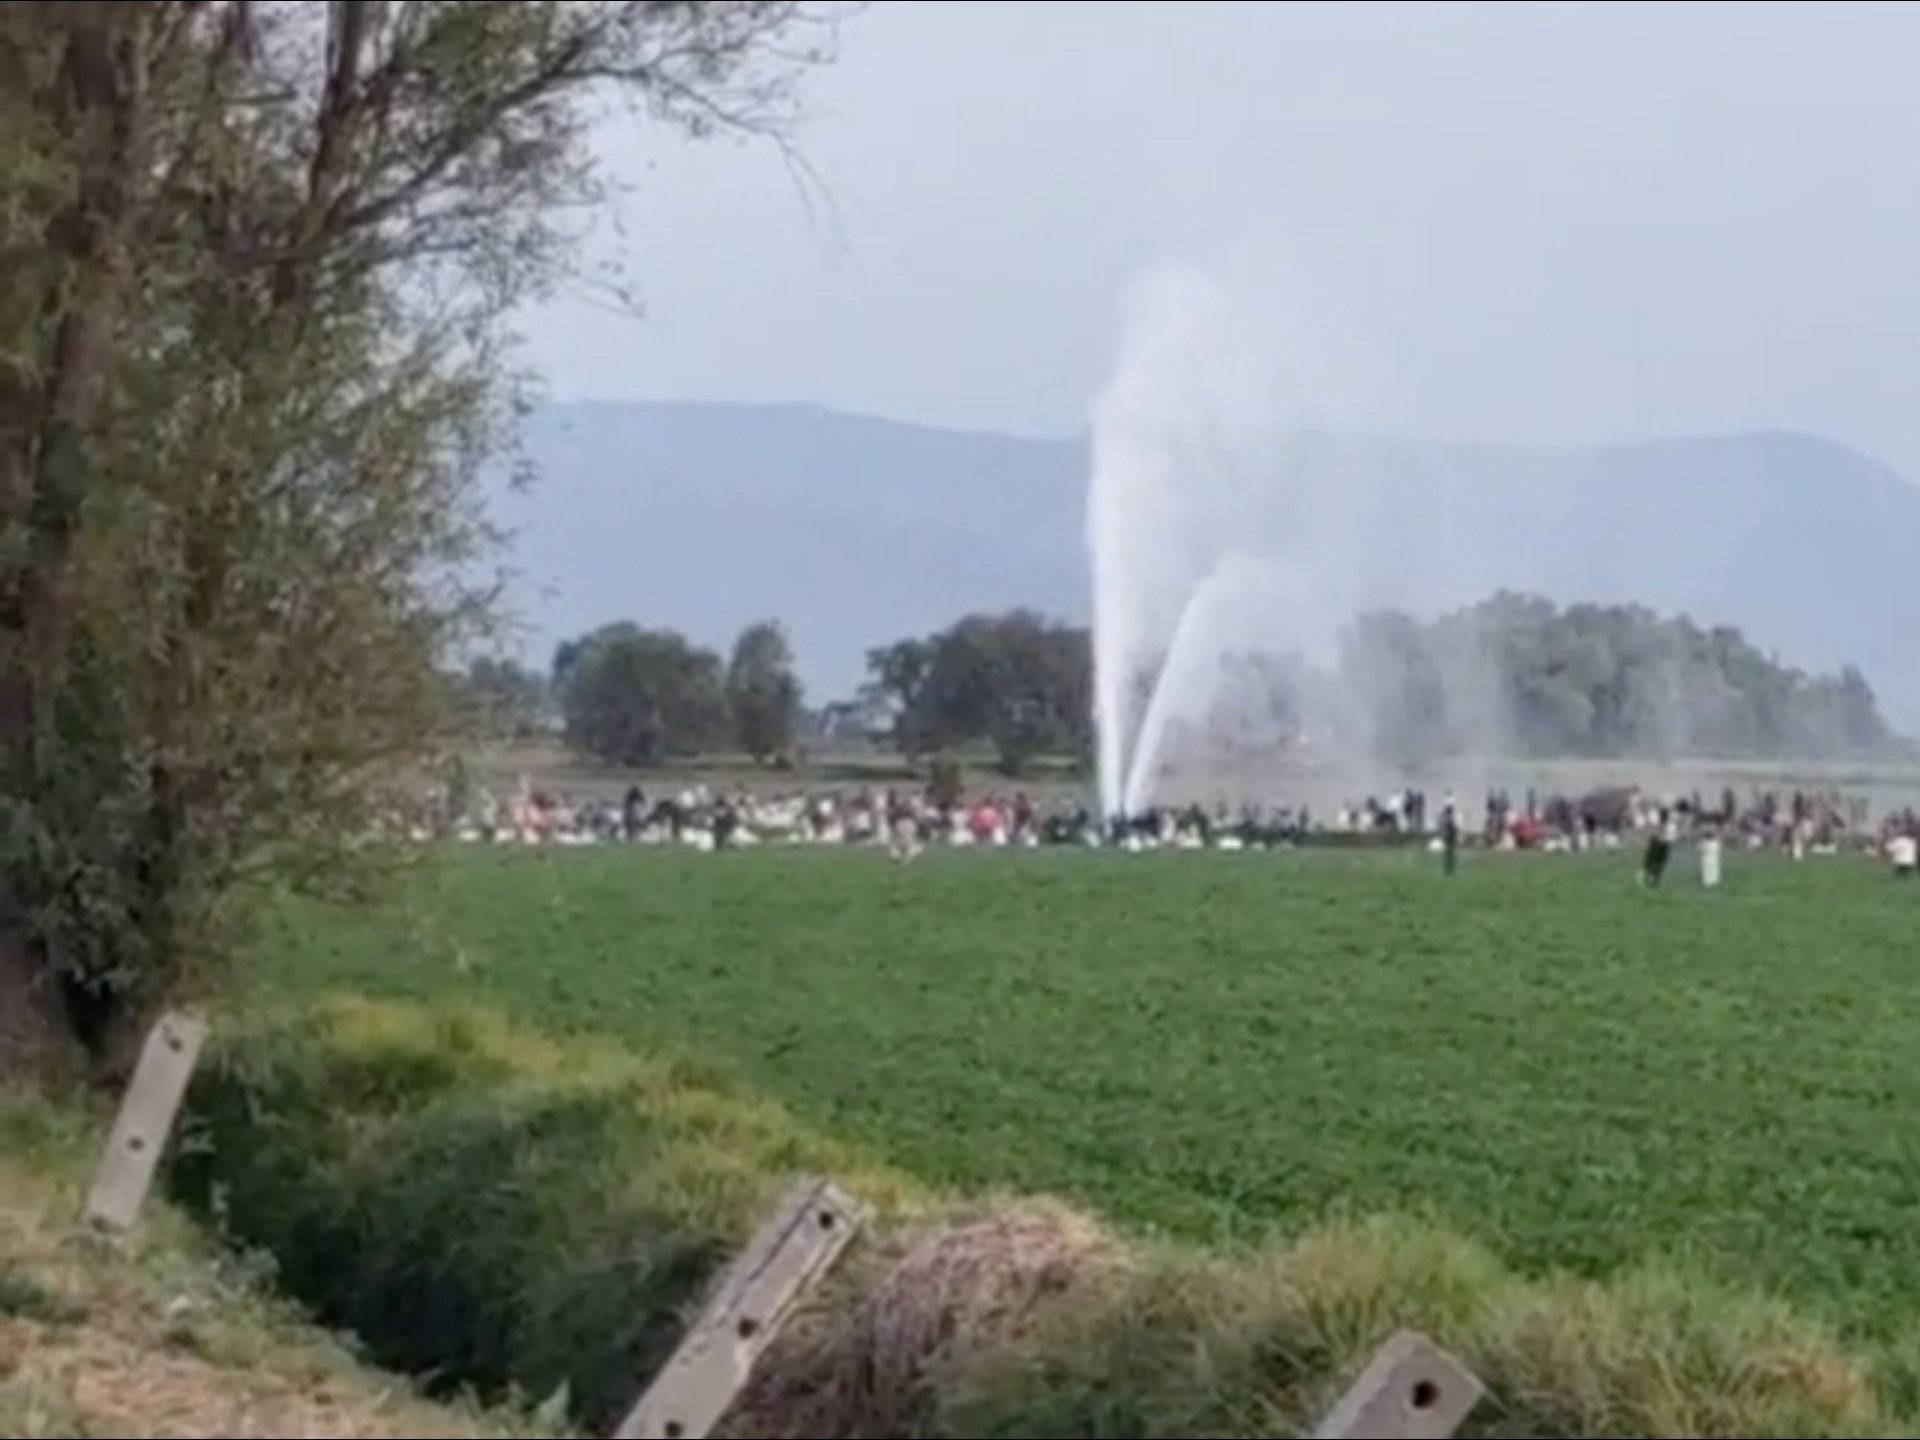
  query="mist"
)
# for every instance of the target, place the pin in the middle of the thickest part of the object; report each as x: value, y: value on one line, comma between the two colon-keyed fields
x: 1237, y: 547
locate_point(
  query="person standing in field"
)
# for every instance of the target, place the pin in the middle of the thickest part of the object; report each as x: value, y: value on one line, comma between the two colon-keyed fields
x: 1449, y: 835
x: 903, y: 828
x: 1904, y: 850
x: 1659, y: 850
x: 1710, y: 854
x: 726, y: 823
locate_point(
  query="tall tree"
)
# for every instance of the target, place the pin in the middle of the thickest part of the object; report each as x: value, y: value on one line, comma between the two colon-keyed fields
x: 635, y: 697
x: 1017, y: 681
x: 763, y: 694
x: 254, y: 262
x: 899, y: 681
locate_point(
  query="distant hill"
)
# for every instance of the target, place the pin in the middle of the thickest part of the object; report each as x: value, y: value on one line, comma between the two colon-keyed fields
x: 857, y: 530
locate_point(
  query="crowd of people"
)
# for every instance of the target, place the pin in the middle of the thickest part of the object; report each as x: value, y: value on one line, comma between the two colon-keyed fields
x: 906, y: 821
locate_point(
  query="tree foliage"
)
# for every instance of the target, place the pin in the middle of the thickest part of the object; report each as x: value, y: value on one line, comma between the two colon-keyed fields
x: 635, y: 697
x: 253, y: 266
x: 1518, y: 674
x: 763, y: 694
x: 500, y: 699
x: 1513, y: 675
x: 1017, y: 681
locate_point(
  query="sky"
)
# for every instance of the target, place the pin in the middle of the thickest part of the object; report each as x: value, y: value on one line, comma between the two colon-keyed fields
x: 1552, y: 224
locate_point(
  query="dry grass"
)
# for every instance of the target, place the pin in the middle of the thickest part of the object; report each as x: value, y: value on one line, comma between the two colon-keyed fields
x: 1028, y: 1319
x: 922, y: 1310
x: 1262, y: 1342
x: 156, y: 1335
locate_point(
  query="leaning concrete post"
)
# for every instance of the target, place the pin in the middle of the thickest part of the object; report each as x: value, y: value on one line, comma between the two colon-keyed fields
x: 145, y: 1122
x: 1409, y: 1391
x: 757, y: 1293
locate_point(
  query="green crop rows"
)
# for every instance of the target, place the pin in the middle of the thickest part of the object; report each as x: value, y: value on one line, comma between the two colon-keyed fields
x: 1536, y: 1053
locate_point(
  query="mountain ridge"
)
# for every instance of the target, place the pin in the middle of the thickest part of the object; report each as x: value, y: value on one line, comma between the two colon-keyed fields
x: 858, y: 529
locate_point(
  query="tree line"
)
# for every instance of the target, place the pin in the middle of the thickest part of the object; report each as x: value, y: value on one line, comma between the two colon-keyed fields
x: 1520, y: 674
x: 1017, y: 682
x: 633, y: 696
x: 1514, y: 674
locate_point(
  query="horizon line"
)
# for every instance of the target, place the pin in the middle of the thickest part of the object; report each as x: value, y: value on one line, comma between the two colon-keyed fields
x: 1054, y: 437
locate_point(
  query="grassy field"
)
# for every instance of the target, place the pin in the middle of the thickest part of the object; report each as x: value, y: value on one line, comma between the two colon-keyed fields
x: 1537, y: 1053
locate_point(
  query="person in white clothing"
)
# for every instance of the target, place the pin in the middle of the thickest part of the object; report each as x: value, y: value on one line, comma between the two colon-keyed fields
x: 1710, y: 858
x: 1904, y: 850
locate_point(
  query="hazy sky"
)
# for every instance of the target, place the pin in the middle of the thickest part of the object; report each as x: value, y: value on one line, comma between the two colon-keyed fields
x: 1559, y: 223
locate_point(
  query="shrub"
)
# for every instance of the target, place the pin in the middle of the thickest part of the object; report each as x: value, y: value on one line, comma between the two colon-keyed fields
x: 25, y: 1296
x: 482, y: 1208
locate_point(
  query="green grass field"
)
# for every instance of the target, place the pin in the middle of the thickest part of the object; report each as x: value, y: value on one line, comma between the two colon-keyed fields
x: 1538, y: 1053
